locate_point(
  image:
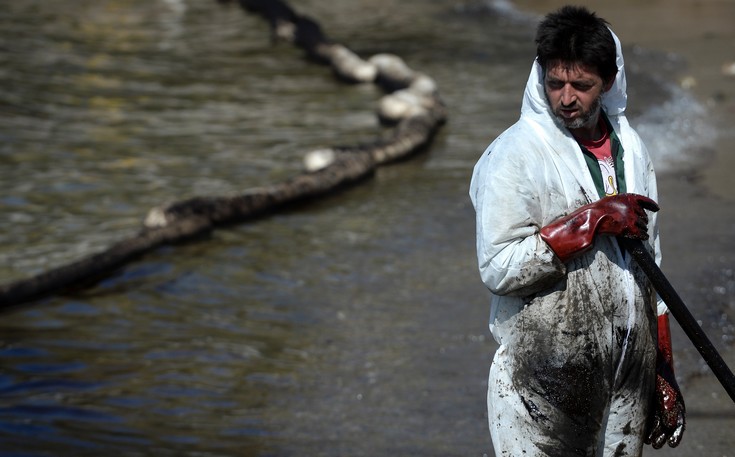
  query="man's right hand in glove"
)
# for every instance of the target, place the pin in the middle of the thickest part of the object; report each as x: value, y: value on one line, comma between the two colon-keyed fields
x: 618, y: 215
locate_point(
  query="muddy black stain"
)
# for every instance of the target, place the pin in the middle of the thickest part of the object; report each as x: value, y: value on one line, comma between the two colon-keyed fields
x: 620, y: 450
x: 533, y: 410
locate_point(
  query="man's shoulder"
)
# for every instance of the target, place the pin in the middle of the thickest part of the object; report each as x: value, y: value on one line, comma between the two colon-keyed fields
x: 622, y: 127
x: 513, y: 152
x: 518, y: 140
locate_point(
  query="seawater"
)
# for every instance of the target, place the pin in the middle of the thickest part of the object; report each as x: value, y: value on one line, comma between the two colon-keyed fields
x: 342, y: 327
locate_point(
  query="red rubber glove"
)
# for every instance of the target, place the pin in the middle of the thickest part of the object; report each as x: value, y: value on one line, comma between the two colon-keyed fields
x: 622, y: 214
x: 669, y: 416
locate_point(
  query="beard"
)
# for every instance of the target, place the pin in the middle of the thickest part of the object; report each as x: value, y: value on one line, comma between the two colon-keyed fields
x: 585, y: 118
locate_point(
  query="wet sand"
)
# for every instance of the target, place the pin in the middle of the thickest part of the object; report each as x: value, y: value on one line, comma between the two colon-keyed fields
x: 698, y: 208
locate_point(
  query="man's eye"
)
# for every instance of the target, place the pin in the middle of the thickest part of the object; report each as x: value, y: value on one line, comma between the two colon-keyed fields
x: 584, y: 87
x: 554, y: 84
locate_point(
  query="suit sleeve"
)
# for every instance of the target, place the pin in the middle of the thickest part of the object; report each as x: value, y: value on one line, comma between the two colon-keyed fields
x: 512, y: 257
x: 654, y: 239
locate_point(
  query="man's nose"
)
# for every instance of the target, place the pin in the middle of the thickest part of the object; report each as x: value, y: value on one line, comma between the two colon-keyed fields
x: 568, y: 96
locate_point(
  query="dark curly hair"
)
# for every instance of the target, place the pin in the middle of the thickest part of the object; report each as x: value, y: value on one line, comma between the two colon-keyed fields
x: 574, y: 35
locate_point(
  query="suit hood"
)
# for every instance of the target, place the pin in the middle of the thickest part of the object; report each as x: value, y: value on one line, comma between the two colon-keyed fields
x: 534, y: 99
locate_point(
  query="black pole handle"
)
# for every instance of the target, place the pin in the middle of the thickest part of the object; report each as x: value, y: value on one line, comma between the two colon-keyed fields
x: 681, y: 313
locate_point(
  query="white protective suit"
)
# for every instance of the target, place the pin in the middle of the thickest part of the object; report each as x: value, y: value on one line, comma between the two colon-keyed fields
x: 575, y: 367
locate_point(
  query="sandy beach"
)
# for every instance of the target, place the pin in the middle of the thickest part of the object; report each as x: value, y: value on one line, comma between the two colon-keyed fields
x: 698, y: 210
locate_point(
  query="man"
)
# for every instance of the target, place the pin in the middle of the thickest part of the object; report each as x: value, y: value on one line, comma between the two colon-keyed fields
x: 584, y: 362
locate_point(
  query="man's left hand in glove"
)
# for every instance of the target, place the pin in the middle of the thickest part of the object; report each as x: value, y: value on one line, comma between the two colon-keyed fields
x: 668, y: 419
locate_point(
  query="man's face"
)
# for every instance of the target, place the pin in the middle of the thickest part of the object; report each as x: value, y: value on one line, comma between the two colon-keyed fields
x: 574, y: 93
